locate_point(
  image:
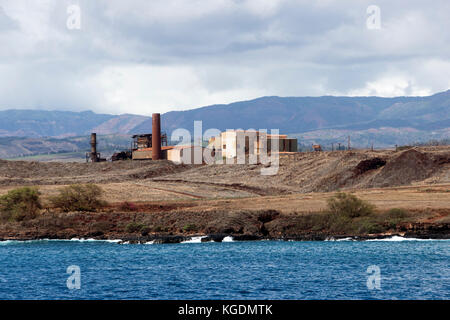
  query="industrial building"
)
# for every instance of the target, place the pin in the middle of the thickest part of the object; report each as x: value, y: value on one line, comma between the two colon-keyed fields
x: 186, y: 154
x: 252, y: 142
x: 151, y: 146
x: 142, y: 147
x: 229, y: 144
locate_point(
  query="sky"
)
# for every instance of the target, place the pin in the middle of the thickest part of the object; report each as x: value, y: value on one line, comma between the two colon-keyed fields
x: 145, y: 56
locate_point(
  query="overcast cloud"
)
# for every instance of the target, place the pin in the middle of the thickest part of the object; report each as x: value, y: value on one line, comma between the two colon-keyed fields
x: 156, y: 56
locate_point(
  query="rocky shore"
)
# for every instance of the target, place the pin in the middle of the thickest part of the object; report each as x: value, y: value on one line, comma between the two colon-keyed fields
x: 204, y: 227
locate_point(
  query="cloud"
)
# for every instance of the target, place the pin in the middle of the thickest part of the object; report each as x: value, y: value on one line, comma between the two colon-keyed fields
x: 144, y: 56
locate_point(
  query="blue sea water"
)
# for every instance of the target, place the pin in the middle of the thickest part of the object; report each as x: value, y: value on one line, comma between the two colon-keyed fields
x: 229, y: 270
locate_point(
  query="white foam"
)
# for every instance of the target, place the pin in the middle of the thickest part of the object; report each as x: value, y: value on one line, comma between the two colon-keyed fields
x: 90, y: 240
x: 398, y: 239
x: 6, y: 242
x: 391, y: 239
x: 345, y: 239
x: 83, y: 240
x: 228, y: 239
x: 341, y: 239
x: 112, y: 241
x: 194, y: 240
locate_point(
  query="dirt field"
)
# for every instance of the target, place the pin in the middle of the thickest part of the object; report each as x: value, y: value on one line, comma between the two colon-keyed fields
x: 416, y: 179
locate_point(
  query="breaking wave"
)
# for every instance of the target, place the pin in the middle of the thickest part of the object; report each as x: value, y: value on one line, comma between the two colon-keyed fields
x: 194, y: 240
x: 200, y: 238
x: 342, y: 239
x: 8, y: 242
x: 390, y: 239
x: 398, y: 239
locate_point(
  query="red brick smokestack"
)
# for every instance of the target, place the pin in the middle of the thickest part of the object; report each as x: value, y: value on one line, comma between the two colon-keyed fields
x: 156, y: 136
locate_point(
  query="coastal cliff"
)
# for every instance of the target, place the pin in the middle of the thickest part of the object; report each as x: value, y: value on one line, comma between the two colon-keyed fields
x: 175, y: 227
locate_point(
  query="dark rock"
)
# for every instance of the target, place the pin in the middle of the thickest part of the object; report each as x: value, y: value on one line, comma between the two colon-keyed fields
x: 169, y: 239
x: 214, y: 237
x: 268, y: 216
x: 307, y: 237
x: 96, y: 234
x: 369, y: 164
x: 246, y: 237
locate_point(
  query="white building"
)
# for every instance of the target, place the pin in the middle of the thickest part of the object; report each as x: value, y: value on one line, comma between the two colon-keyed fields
x: 251, y: 142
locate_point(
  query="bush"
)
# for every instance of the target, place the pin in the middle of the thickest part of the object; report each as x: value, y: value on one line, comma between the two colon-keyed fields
x: 397, y: 213
x: 189, y: 228
x: 349, y: 206
x: 393, y: 217
x: 102, y: 226
x: 134, y: 227
x: 20, y: 204
x: 160, y: 229
x: 369, y: 226
x: 78, y: 197
x: 145, y: 230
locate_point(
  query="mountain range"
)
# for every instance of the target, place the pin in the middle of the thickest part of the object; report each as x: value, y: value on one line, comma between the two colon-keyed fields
x: 382, y: 121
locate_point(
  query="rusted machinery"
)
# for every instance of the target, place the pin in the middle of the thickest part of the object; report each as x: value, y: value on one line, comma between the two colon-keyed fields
x: 123, y: 155
x: 145, y: 141
x: 151, y: 146
x: 317, y: 147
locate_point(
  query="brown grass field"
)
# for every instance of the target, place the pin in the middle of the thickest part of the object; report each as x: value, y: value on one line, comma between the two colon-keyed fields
x: 416, y: 179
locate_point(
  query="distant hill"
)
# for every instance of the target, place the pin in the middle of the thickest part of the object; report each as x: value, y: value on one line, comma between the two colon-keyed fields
x: 382, y: 121
x: 36, y: 123
x: 14, y: 147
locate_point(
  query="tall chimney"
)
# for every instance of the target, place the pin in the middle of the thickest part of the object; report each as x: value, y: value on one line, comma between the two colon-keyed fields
x: 94, y: 147
x: 156, y: 136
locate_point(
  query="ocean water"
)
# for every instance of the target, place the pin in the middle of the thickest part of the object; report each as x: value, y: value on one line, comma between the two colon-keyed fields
x: 229, y: 270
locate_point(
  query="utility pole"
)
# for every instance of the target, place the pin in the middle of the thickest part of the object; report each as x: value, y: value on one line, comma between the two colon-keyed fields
x: 348, y: 147
x: 332, y: 147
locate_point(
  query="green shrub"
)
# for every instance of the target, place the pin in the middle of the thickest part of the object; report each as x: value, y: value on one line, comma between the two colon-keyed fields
x: 397, y: 213
x: 341, y: 224
x: 393, y: 217
x: 102, y: 226
x: 348, y: 205
x: 78, y: 197
x: 189, y: 227
x: 368, y: 226
x: 20, y: 204
x: 145, y: 230
x: 159, y: 229
x: 134, y: 227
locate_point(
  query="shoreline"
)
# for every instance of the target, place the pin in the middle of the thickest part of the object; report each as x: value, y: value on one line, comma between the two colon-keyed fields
x: 218, y: 238
x: 176, y: 226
